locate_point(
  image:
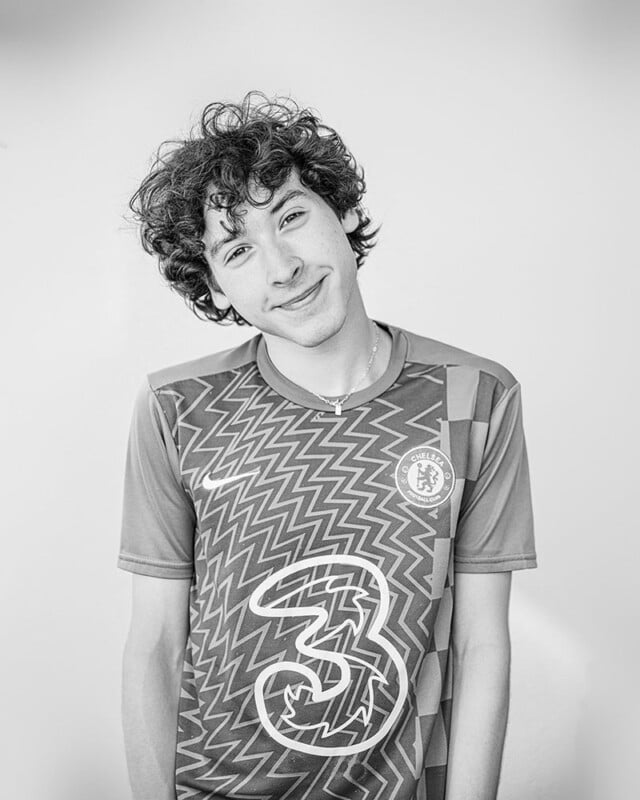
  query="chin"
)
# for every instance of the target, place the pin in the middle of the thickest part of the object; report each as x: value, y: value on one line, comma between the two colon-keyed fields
x: 318, y: 333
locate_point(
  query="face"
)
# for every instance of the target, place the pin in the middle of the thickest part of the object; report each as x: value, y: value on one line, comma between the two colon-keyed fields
x: 291, y: 271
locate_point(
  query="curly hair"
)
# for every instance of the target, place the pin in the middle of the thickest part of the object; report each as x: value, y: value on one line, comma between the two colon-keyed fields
x: 234, y: 148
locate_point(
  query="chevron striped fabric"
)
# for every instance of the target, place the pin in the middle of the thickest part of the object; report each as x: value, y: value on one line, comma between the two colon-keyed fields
x: 322, y: 553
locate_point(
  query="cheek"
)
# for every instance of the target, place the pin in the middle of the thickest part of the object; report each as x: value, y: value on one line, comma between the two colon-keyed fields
x: 227, y: 282
x: 243, y: 293
x: 329, y: 248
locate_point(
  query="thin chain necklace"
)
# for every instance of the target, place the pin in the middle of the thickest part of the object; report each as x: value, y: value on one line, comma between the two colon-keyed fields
x: 340, y: 401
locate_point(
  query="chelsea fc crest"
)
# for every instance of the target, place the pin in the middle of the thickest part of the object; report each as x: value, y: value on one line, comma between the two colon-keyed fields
x: 425, y: 476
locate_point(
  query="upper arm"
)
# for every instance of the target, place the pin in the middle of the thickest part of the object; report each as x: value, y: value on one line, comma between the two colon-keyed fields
x: 495, y: 530
x: 158, y: 516
x: 157, y: 532
x: 481, y: 610
x: 159, y: 613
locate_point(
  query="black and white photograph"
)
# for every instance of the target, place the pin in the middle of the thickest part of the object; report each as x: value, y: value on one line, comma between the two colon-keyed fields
x: 320, y: 400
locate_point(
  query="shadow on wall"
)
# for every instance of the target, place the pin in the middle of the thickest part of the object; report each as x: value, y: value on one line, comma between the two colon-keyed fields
x: 542, y: 757
x: 86, y: 776
x: 609, y: 741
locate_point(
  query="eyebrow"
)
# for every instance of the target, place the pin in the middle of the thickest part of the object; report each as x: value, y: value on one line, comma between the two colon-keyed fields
x: 286, y: 197
x: 217, y: 246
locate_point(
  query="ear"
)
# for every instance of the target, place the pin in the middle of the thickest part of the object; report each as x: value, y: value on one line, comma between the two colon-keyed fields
x: 220, y: 299
x: 350, y: 221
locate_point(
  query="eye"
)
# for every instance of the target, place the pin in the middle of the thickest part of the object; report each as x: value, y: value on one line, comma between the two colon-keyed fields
x: 292, y: 216
x: 237, y: 253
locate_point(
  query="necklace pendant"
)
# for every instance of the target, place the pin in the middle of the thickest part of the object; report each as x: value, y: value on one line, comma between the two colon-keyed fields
x: 338, y: 409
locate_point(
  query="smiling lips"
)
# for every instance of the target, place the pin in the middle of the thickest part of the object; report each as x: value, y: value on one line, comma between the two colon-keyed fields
x: 298, y: 301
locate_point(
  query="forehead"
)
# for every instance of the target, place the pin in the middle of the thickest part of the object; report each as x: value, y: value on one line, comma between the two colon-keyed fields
x: 218, y: 223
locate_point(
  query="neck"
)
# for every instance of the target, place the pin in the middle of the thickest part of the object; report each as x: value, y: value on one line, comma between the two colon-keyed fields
x: 334, y: 367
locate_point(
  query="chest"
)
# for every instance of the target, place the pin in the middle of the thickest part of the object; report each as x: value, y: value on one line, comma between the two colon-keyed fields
x: 275, y: 484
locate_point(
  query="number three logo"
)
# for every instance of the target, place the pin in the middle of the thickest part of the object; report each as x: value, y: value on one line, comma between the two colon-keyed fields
x: 320, y: 642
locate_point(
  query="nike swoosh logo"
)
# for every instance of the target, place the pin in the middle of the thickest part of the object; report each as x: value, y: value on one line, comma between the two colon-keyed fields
x: 215, y: 483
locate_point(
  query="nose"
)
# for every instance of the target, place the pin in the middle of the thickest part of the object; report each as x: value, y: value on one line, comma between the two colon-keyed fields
x: 283, y: 264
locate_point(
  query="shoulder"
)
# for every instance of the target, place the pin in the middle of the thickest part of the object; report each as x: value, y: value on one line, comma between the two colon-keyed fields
x: 426, y: 351
x: 206, y: 366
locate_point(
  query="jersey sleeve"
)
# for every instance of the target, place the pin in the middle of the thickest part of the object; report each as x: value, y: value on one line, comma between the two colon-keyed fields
x: 495, y: 531
x: 158, y: 518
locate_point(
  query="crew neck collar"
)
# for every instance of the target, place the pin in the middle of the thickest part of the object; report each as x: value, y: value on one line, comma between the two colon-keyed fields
x: 302, y: 397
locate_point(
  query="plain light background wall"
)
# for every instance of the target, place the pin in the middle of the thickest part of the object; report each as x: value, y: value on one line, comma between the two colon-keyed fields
x: 500, y: 144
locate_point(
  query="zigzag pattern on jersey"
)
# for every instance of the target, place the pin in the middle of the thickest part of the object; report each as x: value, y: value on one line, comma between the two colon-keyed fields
x: 325, y: 487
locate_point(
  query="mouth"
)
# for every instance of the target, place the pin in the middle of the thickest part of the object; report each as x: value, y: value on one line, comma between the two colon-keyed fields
x: 303, y: 299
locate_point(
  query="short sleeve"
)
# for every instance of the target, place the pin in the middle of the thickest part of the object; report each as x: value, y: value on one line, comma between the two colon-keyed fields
x: 158, y: 518
x: 495, y: 531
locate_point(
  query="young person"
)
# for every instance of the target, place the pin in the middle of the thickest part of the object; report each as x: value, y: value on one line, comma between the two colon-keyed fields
x: 323, y: 521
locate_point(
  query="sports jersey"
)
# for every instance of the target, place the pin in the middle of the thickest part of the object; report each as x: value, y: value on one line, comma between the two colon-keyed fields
x: 322, y: 551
